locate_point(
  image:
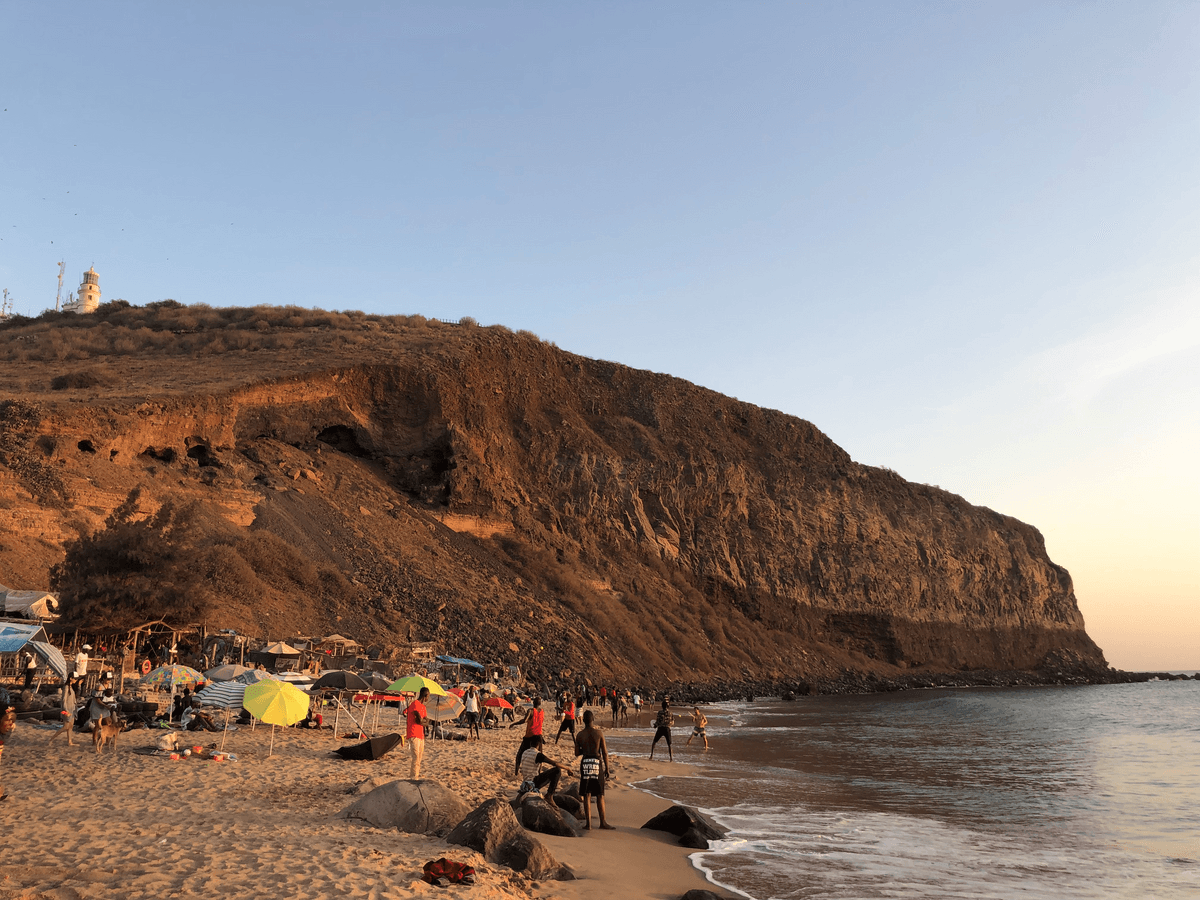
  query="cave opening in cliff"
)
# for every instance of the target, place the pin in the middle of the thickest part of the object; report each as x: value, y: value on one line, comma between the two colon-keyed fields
x: 203, y: 455
x: 86, y: 446
x: 343, y: 439
x: 166, y: 454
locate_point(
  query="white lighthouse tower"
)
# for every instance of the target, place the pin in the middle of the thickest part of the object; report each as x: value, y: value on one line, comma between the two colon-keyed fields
x: 88, y: 300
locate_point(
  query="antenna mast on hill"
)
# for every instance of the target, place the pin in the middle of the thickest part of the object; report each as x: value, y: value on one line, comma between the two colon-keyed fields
x: 62, y: 267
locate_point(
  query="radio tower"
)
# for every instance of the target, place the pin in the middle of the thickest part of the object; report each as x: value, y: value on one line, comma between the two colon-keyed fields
x: 62, y: 267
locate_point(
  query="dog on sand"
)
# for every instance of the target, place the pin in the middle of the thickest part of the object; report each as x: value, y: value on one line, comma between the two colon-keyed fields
x: 106, y: 732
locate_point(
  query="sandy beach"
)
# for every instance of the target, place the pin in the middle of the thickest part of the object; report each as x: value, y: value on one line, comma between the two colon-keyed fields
x: 130, y: 825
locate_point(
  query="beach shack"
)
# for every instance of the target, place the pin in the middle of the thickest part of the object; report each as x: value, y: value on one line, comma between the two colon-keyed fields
x: 18, y: 638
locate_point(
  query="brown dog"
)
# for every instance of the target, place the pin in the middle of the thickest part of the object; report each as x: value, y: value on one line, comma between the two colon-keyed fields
x: 106, y: 732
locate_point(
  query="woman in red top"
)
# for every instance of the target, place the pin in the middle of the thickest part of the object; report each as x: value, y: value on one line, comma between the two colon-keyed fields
x: 568, y: 722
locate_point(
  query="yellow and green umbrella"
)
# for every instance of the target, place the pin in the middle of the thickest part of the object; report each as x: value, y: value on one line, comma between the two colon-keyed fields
x: 412, y: 684
x: 276, y: 703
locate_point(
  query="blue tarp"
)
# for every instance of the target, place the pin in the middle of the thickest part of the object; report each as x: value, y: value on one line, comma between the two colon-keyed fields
x: 456, y: 661
x: 13, y: 637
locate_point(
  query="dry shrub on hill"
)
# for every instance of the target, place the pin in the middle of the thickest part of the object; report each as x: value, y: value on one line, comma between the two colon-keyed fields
x: 181, y: 563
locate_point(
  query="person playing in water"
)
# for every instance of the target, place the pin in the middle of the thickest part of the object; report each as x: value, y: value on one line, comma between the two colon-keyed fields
x: 589, y: 744
x: 662, y: 728
x: 699, y: 724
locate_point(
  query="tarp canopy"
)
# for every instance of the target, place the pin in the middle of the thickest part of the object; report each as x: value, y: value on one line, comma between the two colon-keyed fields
x: 457, y: 661
x: 35, y: 604
x: 279, y: 648
x: 372, y: 749
x: 14, y: 635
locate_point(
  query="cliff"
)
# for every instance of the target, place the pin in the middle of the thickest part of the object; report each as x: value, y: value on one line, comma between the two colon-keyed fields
x: 508, y: 499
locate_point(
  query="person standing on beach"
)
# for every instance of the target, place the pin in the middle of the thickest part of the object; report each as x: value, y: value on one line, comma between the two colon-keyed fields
x: 471, y: 704
x: 568, y: 722
x: 30, y: 669
x: 416, y: 716
x: 699, y: 724
x: 662, y: 728
x: 81, y: 661
x: 535, y: 718
x: 68, y: 704
x: 589, y: 745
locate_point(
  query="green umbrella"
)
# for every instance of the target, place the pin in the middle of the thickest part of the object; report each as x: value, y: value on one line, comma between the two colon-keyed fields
x: 412, y: 684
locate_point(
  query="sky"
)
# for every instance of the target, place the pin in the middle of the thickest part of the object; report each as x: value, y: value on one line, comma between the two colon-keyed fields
x: 963, y: 239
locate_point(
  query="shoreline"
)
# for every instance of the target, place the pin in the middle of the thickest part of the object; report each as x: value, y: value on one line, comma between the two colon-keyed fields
x: 140, y: 826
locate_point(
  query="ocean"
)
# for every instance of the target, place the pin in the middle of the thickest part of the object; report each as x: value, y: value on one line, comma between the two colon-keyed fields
x: 997, y: 793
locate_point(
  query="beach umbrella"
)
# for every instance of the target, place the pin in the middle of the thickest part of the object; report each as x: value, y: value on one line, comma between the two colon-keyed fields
x: 499, y: 702
x: 51, y: 654
x: 173, y: 675
x: 227, y: 672
x: 412, y: 684
x: 226, y: 695
x: 457, y: 692
x: 444, y: 709
x: 375, y: 680
x: 490, y: 688
x: 340, y: 680
x: 276, y: 703
x: 252, y: 676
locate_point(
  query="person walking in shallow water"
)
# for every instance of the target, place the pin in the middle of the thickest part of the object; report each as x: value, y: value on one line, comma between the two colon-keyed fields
x: 662, y: 728
x: 699, y: 726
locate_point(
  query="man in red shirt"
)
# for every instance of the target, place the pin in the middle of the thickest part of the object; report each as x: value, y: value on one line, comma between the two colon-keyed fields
x: 417, y: 716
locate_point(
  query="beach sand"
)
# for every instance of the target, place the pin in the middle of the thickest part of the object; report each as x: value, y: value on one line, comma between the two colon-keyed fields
x: 133, y: 826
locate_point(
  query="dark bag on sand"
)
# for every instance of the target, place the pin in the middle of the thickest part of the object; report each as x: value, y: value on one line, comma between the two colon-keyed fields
x: 444, y: 871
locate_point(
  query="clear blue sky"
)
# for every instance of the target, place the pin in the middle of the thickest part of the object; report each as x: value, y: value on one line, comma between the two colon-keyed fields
x: 961, y: 238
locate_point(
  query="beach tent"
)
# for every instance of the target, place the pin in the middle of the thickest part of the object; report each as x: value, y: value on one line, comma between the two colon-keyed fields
x: 30, y: 604
x: 459, y: 661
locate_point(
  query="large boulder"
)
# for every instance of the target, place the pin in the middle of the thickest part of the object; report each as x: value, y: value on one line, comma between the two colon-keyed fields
x: 418, y: 807
x: 538, y: 815
x: 689, y: 824
x: 569, y: 805
x: 698, y: 894
x: 492, y: 829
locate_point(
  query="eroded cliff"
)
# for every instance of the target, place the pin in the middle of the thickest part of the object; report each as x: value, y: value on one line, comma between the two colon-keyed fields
x: 520, y: 503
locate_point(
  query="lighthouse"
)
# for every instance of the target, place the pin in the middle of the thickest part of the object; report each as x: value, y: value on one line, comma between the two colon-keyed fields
x: 88, y: 300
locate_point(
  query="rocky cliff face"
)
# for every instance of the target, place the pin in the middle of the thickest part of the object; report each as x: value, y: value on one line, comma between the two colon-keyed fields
x: 523, y: 504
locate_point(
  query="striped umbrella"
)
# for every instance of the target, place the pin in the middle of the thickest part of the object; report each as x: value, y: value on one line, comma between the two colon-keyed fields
x: 223, y: 694
x: 226, y: 695
x: 51, y: 654
x: 443, y: 709
x: 173, y: 675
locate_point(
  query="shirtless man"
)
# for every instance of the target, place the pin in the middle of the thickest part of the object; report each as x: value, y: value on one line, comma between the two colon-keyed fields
x: 699, y: 724
x: 590, y: 745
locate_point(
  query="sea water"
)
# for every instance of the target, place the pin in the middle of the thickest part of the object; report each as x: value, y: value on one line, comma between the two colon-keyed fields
x: 1056, y: 793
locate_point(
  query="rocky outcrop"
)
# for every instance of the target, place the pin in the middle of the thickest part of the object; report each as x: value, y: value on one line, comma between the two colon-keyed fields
x: 531, y: 506
x: 416, y: 807
x: 493, y: 830
x: 692, y: 827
